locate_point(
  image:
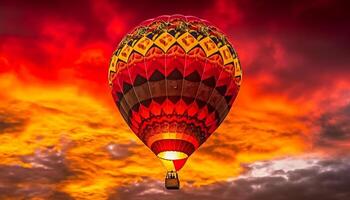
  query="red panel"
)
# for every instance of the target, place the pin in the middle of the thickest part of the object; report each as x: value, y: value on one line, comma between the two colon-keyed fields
x: 137, y: 69
x: 144, y: 112
x: 123, y: 76
x: 179, y: 163
x: 193, y: 109
x: 155, y: 108
x: 180, y: 107
x: 168, y: 107
x: 155, y: 60
x: 203, y: 113
x: 210, y: 118
x: 196, y: 61
x: 211, y: 69
x: 175, y: 58
x: 224, y: 79
x: 136, y: 117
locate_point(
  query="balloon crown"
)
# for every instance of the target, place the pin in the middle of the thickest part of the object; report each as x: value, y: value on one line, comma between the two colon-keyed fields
x: 166, y: 31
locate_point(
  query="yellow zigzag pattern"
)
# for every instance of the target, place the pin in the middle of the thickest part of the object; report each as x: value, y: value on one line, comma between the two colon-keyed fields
x: 165, y: 40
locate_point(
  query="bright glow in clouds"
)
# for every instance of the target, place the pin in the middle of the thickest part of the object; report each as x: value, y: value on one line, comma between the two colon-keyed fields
x: 269, y: 168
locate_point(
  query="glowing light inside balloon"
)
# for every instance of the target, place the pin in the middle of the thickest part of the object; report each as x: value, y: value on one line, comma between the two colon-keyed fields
x: 172, y: 155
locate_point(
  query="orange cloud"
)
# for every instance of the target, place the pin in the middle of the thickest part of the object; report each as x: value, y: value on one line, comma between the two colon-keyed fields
x: 83, y: 127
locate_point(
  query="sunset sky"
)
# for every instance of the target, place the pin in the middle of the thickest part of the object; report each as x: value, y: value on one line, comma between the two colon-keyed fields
x: 287, y: 135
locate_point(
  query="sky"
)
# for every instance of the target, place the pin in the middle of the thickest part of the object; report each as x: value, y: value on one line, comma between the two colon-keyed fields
x: 287, y: 136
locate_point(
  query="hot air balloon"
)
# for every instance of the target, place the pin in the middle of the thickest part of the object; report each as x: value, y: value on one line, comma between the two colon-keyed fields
x: 174, y: 79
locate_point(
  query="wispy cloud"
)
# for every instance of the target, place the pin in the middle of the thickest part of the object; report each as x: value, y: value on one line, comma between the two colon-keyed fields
x: 283, y: 179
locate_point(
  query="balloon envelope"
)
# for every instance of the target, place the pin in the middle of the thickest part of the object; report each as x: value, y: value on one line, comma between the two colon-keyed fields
x: 174, y: 79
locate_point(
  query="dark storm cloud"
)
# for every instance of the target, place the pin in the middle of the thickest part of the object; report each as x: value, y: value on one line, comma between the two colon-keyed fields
x: 48, y: 168
x: 309, y: 63
x: 11, y: 126
x: 310, y: 14
x: 301, y: 45
x: 11, y: 122
x: 322, y: 180
x: 120, y: 151
x: 334, y: 127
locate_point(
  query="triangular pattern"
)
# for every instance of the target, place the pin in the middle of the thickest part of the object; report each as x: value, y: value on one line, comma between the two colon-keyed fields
x: 200, y: 103
x: 168, y: 107
x: 192, y: 110
x: 188, y: 100
x: 222, y: 89
x: 193, y: 77
x: 210, y: 70
x: 138, y: 69
x: 210, y: 82
x: 139, y: 80
x: 175, y: 59
x: 159, y: 100
x: 146, y: 103
x: 119, y: 96
x: 144, y: 112
x: 174, y: 99
x: 175, y: 75
x: 126, y: 87
x: 225, y: 78
x: 136, y: 107
x: 157, y: 76
x: 181, y: 107
x: 155, y: 108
